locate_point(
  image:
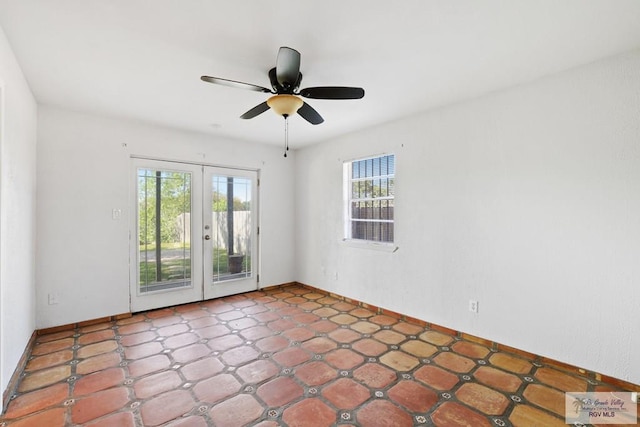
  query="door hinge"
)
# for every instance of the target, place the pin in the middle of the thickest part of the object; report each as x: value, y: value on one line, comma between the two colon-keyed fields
x: 258, y: 230
x: 258, y: 278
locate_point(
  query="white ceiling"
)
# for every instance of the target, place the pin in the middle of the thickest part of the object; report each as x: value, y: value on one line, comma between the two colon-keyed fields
x: 142, y: 59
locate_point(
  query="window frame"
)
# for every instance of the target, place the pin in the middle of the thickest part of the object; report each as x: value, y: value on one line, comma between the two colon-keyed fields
x: 348, y: 199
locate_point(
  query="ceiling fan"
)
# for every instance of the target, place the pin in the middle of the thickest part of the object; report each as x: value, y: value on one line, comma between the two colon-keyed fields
x: 285, y: 80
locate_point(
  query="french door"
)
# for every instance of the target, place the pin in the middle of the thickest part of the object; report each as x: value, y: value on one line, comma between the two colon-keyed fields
x: 195, y: 233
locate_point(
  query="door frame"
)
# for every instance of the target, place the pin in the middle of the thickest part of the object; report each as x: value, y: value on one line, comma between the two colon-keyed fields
x: 155, y: 299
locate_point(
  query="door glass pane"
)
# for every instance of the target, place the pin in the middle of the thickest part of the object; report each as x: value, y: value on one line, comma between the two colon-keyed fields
x: 231, y: 227
x: 164, y: 229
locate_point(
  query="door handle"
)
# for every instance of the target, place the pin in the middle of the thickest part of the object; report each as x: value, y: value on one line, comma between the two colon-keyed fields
x: 207, y: 237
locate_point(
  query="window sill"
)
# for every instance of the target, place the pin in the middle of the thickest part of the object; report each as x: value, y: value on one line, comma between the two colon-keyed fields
x: 377, y: 246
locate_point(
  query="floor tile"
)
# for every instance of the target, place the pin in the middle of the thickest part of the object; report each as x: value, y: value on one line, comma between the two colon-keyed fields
x: 98, y: 404
x: 511, y: 363
x: 148, y: 365
x: 279, y: 391
x: 239, y: 355
x: 44, y: 378
x: 436, y: 377
x: 482, y: 398
x: 343, y: 358
x: 49, y: 360
x: 362, y: 313
x: 527, y: 416
x: 413, y: 396
x: 299, y: 334
x: 166, y: 407
x: 315, y: 373
x: 51, y: 418
x: 120, y: 419
x: 192, y: 421
x: 399, y: 361
x: 365, y: 327
x: 419, y: 348
x: 190, y: 353
x: 224, y: 342
x: 98, y: 363
x: 343, y: 319
x: 469, y: 349
x: 374, y: 375
x: 323, y: 326
x: 52, y: 346
x: 96, y: 336
x: 292, y: 356
x: 214, y: 389
x: 202, y: 369
x: 258, y: 371
x: 346, y: 393
x: 138, y: 338
x: 546, y: 397
x: 454, y: 362
x: 436, y: 338
x: 559, y: 380
x: 134, y: 328
x: 498, y: 379
x: 383, y: 320
x: 270, y: 344
x: 301, y: 414
x: 97, y: 348
x: 344, y: 335
x: 381, y: 413
x: 408, y: 328
x: 369, y: 347
x: 319, y: 345
x: 451, y: 414
x: 240, y: 410
x: 181, y: 340
x: 168, y: 331
x: 37, y: 400
x: 282, y: 325
x: 100, y: 380
x: 55, y: 336
x: 157, y: 383
x: 389, y: 337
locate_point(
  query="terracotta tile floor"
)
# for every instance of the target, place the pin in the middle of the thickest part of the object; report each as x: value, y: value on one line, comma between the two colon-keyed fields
x: 283, y: 357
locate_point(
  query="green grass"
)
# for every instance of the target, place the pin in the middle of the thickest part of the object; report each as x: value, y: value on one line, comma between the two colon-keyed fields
x: 176, y: 269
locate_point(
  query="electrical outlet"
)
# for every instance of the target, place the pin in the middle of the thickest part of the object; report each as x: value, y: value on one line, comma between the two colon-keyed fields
x: 473, y: 306
x: 116, y: 214
x: 54, y: 298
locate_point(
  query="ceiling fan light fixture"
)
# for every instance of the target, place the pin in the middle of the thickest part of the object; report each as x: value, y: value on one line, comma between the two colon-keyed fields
x: 285, y: 105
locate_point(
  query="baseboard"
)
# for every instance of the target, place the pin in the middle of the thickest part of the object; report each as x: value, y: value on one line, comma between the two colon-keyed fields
x: 15, y: 378
x: 72, y: 326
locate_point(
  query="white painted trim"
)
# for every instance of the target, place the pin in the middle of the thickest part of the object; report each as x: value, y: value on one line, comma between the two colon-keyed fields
x: 365, y: 244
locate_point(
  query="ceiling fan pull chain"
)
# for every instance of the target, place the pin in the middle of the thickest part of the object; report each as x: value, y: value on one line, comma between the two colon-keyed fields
x: 286, y: 134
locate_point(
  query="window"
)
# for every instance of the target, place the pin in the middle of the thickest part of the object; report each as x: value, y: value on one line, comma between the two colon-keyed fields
x: 369, y: 191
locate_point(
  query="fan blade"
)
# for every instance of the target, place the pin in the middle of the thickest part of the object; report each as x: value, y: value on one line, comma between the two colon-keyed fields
x: 287, y: 67
x: 309, y: 114
x: 258, y: 109
x: 332, y: 92
x: 233, y: 83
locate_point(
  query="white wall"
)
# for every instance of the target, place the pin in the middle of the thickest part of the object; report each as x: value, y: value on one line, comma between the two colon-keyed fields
x: 527, y: 200
x: 83, y: 173
x: 18, y: 114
